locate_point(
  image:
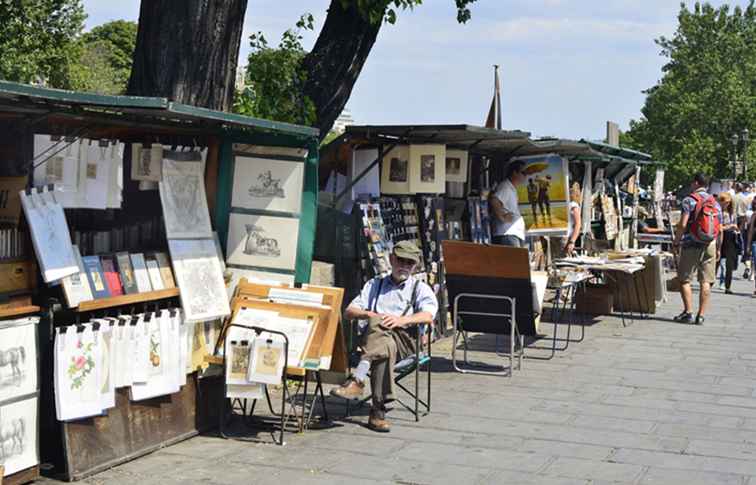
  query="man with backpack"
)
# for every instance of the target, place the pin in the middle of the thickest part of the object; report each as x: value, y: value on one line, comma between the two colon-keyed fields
x: 698, y: 240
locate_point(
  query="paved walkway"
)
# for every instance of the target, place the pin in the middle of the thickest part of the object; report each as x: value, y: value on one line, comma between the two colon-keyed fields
x: 654, y: 403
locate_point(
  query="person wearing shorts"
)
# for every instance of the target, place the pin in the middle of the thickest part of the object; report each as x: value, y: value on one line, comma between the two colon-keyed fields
x: 695, y: 258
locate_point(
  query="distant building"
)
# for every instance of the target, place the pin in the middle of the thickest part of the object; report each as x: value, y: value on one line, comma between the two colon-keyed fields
x: 345, y: 119
x: 241, y: 79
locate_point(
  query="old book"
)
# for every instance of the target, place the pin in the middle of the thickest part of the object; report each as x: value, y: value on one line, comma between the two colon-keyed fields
x: 76, y: 287
x: 112, y: 278
x: 154, y: 271
x: 165, y: 270
x: 95, y: 276
x: 140, y: 273
x: 126, y: 271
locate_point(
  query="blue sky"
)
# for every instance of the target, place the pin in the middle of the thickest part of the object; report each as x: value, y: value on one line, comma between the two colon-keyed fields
x: 567, y: 66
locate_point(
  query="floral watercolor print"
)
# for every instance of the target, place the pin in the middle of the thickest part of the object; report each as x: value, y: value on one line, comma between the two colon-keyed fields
x: 76, y: 374
x: 155, y: 350
x: 81, y: 366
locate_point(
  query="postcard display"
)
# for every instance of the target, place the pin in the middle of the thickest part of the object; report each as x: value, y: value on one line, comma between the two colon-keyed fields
x: 19, y: 393
x: 263, y: 225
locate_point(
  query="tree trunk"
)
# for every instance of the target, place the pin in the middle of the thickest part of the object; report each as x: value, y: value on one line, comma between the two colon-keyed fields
x: 335, y: 63
x: 188, y: 50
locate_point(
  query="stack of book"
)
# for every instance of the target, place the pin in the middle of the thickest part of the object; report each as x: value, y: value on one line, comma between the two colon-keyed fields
x: 117, y: 274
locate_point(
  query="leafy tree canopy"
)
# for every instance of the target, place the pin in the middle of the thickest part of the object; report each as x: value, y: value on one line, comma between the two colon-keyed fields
x: 706, y: 95
x: 38, y: 39
x: 105, y: 57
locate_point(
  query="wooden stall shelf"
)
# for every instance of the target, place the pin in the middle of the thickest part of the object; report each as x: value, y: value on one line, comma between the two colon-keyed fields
x: 114, y: 301
x: 24, y: 476
x: 18, y: 311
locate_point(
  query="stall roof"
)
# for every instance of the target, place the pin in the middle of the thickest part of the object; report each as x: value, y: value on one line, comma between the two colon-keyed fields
x: 52, y: 104
x: 469, y: 137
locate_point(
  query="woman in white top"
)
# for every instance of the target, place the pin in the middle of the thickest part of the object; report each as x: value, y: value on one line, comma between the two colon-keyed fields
x: 575, y: 219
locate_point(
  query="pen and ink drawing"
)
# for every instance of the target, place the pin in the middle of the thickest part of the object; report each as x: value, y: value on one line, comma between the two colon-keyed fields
x: 18, y: 359
x: 182, y: 193
x: 257, y: 244
x: 18, y: 435
x: 262, y: 241
x: 267, y: 184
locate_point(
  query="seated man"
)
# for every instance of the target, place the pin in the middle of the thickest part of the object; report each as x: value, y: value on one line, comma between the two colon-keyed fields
x: 393, y: 306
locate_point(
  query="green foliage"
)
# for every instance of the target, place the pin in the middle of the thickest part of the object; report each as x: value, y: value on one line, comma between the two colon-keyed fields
x: 105, y: 56
x: 386, y: 10
x: 707, y: 93
x: 274, y: 78
x: 38, y: 39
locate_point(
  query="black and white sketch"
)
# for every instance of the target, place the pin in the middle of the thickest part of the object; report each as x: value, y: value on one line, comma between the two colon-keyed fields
x: 456, y: 165
x: 200, y: 279
x: 18, y: 435
x: 427, y: 175
x: 182, y: 194
x: 18, y: 357
x: 395, y: 171
x: 267, y: 184
x: 146, y: 162
x: 262, y: 241
x: 50, y: 235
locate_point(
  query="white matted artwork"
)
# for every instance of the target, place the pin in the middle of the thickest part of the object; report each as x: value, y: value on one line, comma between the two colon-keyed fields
x: 76, y: 374
x: 95, y: 165
x: 369, y: 185
x: 456, y: 165
x: 50, y: 235
x: 262, y: 241
x: 57, y: 162
x: 19, y: 449
x: 182, y: 194
x: 427, y: 169
x: 200, y: 279
x: 267, y: 184
x: 18, y: 358
x: 395, y: 171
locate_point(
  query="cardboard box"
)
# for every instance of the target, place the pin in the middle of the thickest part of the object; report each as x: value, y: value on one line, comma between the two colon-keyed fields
x: 595, y: 300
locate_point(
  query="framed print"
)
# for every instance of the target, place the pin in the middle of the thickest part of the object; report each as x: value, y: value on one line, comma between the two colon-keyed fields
x: 262, y: 241
x: 182, y: 194
x: 18, y: 428
x: 456, y: 165
x: 18, y: 358
x: 395, y: 171
x: 267, y: 184
x: 199, y: 276
x: 146, y: 162
x: 543, y: 198
x: 427, y: 169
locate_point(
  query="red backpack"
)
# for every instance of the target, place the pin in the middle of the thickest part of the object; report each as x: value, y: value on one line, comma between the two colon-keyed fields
x: 705, y: 225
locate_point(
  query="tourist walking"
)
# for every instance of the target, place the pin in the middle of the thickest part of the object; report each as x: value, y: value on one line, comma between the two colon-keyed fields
x: 730, y: 240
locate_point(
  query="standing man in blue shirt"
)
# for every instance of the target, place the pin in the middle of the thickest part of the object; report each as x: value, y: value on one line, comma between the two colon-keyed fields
x: 393, y: 307
x: 696, y: 256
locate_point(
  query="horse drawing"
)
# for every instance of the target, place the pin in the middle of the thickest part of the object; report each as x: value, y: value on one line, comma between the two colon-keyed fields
x: 12, y: 436
x: 15, y: 358
x: 269, y: 187
x: 257, y: 244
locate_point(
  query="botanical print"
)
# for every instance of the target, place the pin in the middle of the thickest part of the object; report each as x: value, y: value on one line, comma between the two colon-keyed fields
x: 18, y: 358
x: 155, y: 350
x: 77, y: 374
x: 18, y: 435
x: 267, y: 184
x: 82, y: 364
x: 262, y: 241
x: 182, y: 193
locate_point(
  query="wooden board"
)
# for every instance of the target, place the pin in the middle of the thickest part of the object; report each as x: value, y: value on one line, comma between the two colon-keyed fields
x: 18, y: 276
x: 23, y: 476
x: 132, y: 429
x: 134, y: 298
x: 18, y: 311
x: 469, y: 259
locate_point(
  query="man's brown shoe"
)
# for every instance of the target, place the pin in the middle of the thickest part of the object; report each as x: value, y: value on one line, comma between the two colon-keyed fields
x: 377, y: 422
x: 351, y: 389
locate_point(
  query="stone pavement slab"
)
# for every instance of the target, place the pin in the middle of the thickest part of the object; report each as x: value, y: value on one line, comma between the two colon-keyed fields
x: 652, y: 403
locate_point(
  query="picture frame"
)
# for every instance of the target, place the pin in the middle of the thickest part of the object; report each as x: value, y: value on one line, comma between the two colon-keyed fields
x: 19, y: 422
x: 544, y: 198
x: 19, y: 374
x: 262, y: 241
x: 182, y: 195
x: 267, y: 184
x: 395, y: 177
x: 456, y: 165
x: 427, y: 169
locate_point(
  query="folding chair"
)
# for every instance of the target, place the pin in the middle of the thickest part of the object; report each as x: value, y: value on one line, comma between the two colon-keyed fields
x: 412, y: 365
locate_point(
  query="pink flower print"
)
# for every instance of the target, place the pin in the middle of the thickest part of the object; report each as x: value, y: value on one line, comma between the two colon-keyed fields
x: 80, y: 361
x: 78, y: 344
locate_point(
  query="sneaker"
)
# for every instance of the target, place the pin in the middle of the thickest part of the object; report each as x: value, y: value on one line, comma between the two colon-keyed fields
x: 684, y: 317
x: 728, y: 291
x: 700, y: 320
x: 351, y: 389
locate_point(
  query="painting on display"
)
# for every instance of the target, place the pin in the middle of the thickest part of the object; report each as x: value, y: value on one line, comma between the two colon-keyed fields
x: 267, y: 184
x: 50, y: 235
x: 146, y: 162
x: 200, y: 278
x: 262, y: 241
x: 456, y: 165
x: 77, y: 374
x: 18, y: 358
x: 19, y: 449
x: 395, y: 171
x: 544, y: 196
x: 427, y: 169
x: 182, y: 194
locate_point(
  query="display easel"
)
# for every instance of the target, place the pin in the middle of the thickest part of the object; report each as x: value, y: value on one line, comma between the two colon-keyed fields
x: 325, y: 349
